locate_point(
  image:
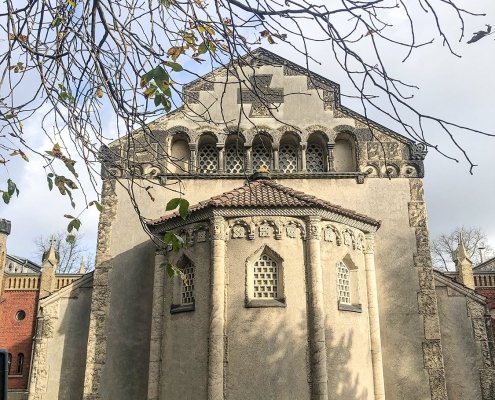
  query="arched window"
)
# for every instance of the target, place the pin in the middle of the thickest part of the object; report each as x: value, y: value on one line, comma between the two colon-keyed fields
x: 187, y: 289
x: 262, y: 153
x: 288, y: 154
x: 20, y: 363
x: 343, y: 283
x: 183, y: 293
x: 9, y: 365
x: 315, y: 154
x: 265, y: 278
x: 207, y: 155
x: 348, y: 285
x: 180, y: 155
x: 344, y: 158
x: 234, y: 155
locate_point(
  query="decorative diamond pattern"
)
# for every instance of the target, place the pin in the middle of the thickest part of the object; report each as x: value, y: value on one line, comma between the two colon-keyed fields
x: 187, y: 293
x: 265, y: 278
x: 315, y: 158
x: 208, y: 160
x: 234, y: 159
x: 343, y: 284
x: 262, y: 156
x: 288, y: 158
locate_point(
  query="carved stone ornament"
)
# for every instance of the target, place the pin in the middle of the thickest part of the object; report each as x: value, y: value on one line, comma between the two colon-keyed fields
x: 238, y: 232
x: 201, y: 236
x: 328, y: 235
x: 217, y: 228
x: 264, y: 231
x: 291, y: 231
x: 314, y: 228
x: 418, y: 151
x: 369, y: 244
x: 347, y: 238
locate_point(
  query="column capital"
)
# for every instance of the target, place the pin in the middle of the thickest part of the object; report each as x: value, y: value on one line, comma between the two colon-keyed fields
x: 369, y: 243
x: 217, y: 228
x: 313, y: 223
x: 193, y: 146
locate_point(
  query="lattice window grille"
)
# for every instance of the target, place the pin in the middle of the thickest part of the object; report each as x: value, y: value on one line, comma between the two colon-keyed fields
x: 288, y: 158
x: 234, y: 159
x: 265, y: 278
x: 187, y: 292
x: 262, y: 156
x: 343, y: 284
x: 208, y: 161
x: 315, y: 158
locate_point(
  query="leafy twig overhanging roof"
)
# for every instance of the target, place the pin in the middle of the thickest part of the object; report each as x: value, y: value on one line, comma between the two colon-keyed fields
x: 266, y: 193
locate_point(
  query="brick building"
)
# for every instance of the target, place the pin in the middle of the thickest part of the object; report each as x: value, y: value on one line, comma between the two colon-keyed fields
x: 22, y: 284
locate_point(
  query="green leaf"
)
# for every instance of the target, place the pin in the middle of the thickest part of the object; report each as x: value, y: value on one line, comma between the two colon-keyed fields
x: 12, y: 187
x: 203, y: 48
x: 175, y: 66
x: 172, y: 204
x: 74, y: 224
x: 158, y: 99
x: 96, y: 204
x: 71, y: 239
x: 183, y: 208
x: 6, y: 197
x: 172, y: 270
x: 50, y: 182
x: 167, y: 105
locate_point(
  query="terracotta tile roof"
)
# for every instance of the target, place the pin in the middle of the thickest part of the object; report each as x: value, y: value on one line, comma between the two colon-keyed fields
x: 266, y: 193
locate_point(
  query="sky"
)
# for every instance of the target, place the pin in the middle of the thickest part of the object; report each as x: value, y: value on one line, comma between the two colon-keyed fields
x: 456, y: 89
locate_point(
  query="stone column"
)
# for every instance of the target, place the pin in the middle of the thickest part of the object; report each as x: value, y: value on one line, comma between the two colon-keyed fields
x: 304, y: 146
x: 374, y: 319
x: 156, y: 328
x: 249, y: 159
x: 194, y: 156
x: 276, y: 163
x: 216, y: 340
x: 221, y: 157
x: 316, y: 313
x: 331, y: 166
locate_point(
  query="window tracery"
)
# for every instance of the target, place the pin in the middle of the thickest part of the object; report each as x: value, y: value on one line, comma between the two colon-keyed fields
x: 234, y: 159
x: 288, y: 158
x: 208, y: 159
x: 315, y: 158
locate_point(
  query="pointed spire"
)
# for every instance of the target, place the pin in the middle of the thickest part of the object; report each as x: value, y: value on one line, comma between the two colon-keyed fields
x: 82, y: 267
x: 51, y: 255
x: 461, y: 249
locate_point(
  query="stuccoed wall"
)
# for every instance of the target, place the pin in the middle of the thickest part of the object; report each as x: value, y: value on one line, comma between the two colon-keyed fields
x: 347, y: 333
x: 461, y: 355
x: 60, y: 344
x: 267, y: 347
x: 130, y: 282
x: 185, y: 335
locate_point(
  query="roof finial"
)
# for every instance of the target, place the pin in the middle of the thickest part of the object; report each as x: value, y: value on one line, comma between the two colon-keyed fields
x: 262, y: 173
x: 51, y: 254
x: 461, y: 249
x: 82, y: 267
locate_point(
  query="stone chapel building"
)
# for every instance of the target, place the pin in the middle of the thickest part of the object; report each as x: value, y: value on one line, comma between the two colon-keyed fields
x: 313, y: 281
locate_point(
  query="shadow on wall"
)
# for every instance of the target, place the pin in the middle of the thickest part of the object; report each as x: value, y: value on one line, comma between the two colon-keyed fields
x: 75, y: 309
x: 126, y: 322
x: 272, y: 361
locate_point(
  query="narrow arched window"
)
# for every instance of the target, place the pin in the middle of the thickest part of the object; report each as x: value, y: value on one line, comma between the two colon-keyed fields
x: 262, y: 153
x: 9, y: 365
x: 344, y: 159
x: 288, y: 153
x: 20, y: 363
x: 207, y: 154
x: 343, y: 283
x: 187, y: 289
x: 234, y: 157
x: 180, y: 155
x: 265, y: 278
x: 315, y: 158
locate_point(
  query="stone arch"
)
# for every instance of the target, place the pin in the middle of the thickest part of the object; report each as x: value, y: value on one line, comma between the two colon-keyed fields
x: 410, y: 170
x: 391, y: 170
x: 345, y: 152
x: 179, y: 160
x: 316, y: 152
x: 262, y: 151
x: 207, y: 153
x: 248, y: 229
x: 289, y: 152
x: 371, y: 170
x: 235, y: 154
x: 251, y: 134
x: 323, y: 130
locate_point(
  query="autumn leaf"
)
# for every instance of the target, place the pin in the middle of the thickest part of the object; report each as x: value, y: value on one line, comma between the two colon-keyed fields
x: 175, y: 52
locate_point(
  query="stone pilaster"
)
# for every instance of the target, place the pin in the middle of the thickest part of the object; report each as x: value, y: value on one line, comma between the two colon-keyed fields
x: 4, y: 233
x: 221, y: 157
x: 101, y: 295
x: 216, y: 340
x: 193, y: 148
x: 276, y: 162
x: 316, y: 312
x: 427, y: 298
x: 304, y: 146
x: 157, y: 311
x: 374, y: 319
x: 249, y: 159
x: 330, y: 147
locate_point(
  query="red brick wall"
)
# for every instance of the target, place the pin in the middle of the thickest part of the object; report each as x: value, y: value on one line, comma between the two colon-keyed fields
x: 17, y: 336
